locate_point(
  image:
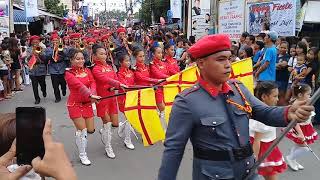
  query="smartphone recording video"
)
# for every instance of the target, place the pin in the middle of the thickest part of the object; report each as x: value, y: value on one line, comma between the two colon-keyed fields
x: 30, y: 122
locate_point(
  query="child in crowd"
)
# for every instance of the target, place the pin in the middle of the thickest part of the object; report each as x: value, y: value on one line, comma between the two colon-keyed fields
x: 258, y: 51
x: 234, y: 57
x: 282, y: 74
x: 262, y: 136
x: 297, y: 75
x: 179, y: 49
x: 293, y: 59
x: 245, y: 52
x: 303, y: 133
x: 312, y: 65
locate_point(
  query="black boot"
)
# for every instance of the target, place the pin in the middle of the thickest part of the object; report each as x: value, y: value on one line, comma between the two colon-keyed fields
x: 37, y: 101
x: 57, y: 100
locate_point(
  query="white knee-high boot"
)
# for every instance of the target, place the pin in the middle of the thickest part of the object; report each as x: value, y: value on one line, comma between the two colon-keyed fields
x: 127, y: 138
x: 106, y: 139
x: 81, y: 142
x: 163, y: 120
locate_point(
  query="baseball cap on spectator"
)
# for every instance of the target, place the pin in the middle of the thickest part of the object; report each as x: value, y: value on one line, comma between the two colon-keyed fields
x: 272, y: 34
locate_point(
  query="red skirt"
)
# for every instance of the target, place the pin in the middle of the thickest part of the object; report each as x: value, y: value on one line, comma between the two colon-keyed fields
x: 107, y: 106
x: 274, y: 163
x: 309, y: 133
x: 159, y: 96
x: 77, y: 111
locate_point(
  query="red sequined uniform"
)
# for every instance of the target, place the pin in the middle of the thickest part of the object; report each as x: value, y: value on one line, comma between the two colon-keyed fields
x: 106, y: 78
x: 159, y: 70
x: 81, y: 85
x: 172, y: 65
x: 142, y: 75
x: 126, y: 76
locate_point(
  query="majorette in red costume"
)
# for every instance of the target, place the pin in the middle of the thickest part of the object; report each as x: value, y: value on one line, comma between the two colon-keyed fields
x: 82, y: 88
x: 126, y: 76
x: 107, y: 109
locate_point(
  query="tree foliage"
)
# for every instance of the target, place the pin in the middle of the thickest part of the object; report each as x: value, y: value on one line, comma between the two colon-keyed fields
x: 105, y: 17
x: 54, y: 7
x: 160, y: 8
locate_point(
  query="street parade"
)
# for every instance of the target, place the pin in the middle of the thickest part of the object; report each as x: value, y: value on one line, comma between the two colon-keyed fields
x: 159, y: 89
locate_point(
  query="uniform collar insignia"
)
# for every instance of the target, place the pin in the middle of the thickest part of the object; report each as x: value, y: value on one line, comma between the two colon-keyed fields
x: 213, y: 91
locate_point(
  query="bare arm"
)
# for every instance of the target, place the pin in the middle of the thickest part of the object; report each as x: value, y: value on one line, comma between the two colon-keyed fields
x: 256, y: 143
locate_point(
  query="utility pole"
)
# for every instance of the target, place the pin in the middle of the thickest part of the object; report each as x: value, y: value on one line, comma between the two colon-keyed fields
x: 105, y: 5
x: 11, y: 23
x: 152, y: 12
x: 126, y: 5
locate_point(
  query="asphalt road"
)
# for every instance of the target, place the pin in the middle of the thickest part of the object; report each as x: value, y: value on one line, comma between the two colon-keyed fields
x: 140, y: 164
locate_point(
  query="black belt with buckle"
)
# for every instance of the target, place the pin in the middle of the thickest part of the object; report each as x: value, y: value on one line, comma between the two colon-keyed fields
x: 217, y: 155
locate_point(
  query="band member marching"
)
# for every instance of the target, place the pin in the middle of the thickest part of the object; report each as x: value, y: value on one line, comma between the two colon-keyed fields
x: 76, y: 42
x: 171, y: 63
x: 37, y: 64
x: 126, y: 76
x: 66, y: 41
x: 214, y: 115
x: 57, y: 63
x: 122, y: 46
x: 90, y: 41
x: 159, y: 70
x: 82, y: 93
x: 107, y: 109
x: 108, y: 45
x: 142, y: 72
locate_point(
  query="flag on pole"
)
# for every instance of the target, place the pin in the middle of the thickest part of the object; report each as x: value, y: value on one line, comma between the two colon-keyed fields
x: 32, y: 61
x: 141, y: 112
x: 243, y: 71
x: 176, y: 84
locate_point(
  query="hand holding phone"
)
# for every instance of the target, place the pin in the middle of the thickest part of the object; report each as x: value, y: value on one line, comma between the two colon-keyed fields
x: 30, y: 122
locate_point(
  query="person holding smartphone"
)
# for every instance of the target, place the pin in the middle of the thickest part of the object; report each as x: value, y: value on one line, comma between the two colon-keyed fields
x: 82, y: 94
x: 55, y: 162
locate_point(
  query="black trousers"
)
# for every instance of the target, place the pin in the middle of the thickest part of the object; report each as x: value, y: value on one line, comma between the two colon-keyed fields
x: 38, y: 80
x: 58, y: 79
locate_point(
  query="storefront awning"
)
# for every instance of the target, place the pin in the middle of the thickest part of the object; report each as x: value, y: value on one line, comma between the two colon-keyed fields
x: 44, y: 13
x: 19, y: 17
x: 312, y: 14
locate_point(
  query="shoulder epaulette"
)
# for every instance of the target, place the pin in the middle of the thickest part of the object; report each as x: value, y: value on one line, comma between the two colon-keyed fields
x: 151, y: 62
x: 190, y: 90
x: 68, y: 69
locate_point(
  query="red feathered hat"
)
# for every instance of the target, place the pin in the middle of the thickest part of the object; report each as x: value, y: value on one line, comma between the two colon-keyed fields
x: 105, y: 37
x: 75, y: 35
x: 34, y: 37
x: 54, y: 36
x: 120, y: 30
